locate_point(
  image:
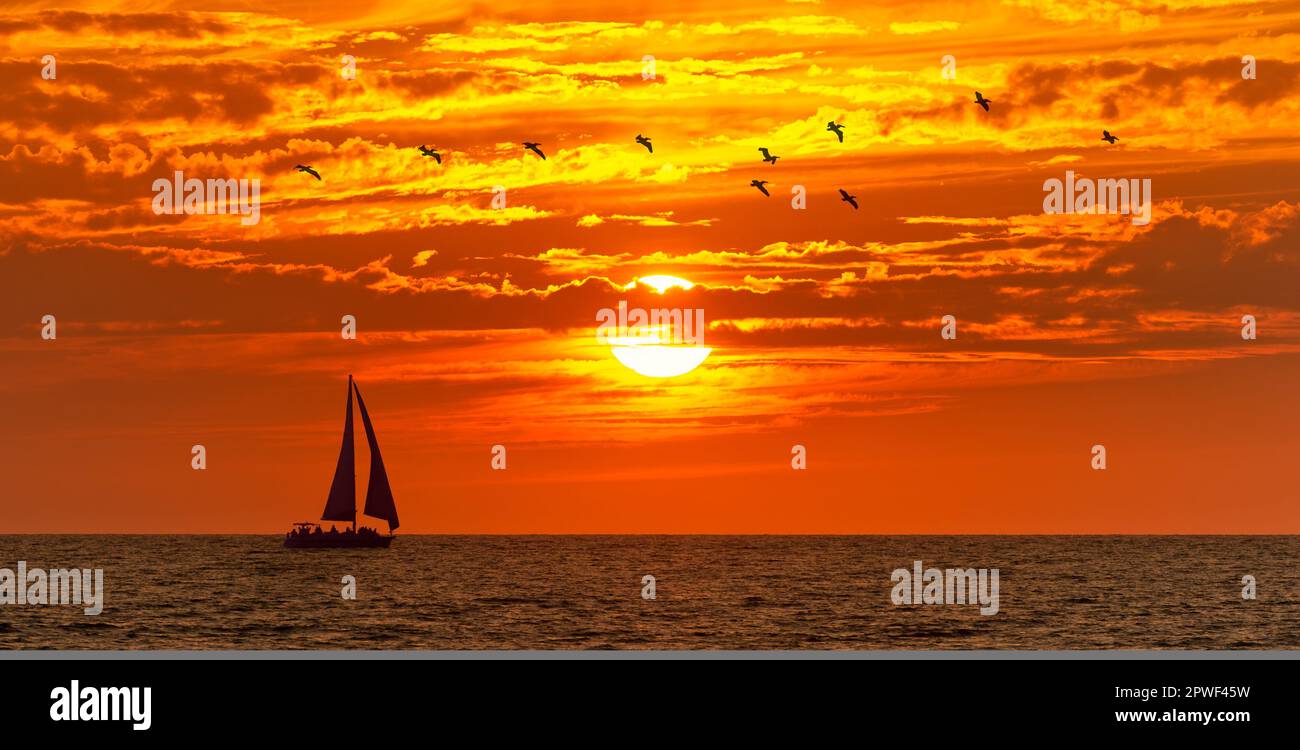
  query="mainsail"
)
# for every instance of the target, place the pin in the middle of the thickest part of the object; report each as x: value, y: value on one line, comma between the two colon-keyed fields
x: 342, y: 502
x: 379, y: 496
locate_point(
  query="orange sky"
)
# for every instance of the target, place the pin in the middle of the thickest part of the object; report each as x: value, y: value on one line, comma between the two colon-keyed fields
x: 476, y: 324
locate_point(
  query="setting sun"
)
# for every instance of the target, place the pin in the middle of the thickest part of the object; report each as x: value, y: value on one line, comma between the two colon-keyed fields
x: 661, y: 361
x: 661, y: 283
x: 662, y: 342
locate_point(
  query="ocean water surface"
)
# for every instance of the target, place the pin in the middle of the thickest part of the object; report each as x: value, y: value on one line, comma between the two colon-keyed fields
x: 713, y: 592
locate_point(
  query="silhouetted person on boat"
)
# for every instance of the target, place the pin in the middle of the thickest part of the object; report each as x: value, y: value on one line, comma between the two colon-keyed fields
x: 641, y: 139
x: 980, y: 100
x: 759, y: 184
x: 307, y: 170
x: 836, y: 128
x: 767, y: 156
x: 1107, y: 137
x: 536, y: 148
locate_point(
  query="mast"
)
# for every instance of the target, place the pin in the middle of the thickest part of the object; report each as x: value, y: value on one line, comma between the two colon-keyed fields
x: 379, y: 496
x: 342, y: 502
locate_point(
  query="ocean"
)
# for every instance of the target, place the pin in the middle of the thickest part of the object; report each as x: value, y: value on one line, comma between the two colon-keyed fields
x: 711, y: 592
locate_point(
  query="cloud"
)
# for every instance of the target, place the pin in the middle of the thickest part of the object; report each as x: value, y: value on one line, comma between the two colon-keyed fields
x: 661, y: 219
x: 922, y: 27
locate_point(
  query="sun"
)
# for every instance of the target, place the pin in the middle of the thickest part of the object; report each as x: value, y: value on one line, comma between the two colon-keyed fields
x: 661, y: 283
x: 661, y: 361
x: 656, y: 351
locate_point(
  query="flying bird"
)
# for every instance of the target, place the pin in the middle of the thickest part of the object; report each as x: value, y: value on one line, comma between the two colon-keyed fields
x: 767, y: 156
x: 308, y: 170
x: 1107, y: 137
x: 980, y: 100
x: 759, y: 184
x: 852, y: 200
x: 641, y: 139
x: 430, y: 152
x: 836, y: 128
x: 536, y: 148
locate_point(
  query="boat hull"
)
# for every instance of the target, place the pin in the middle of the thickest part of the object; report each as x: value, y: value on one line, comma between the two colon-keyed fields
x: 337, y: 541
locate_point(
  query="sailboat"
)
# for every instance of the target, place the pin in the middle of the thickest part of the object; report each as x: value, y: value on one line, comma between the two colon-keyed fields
x: 341, y: 505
